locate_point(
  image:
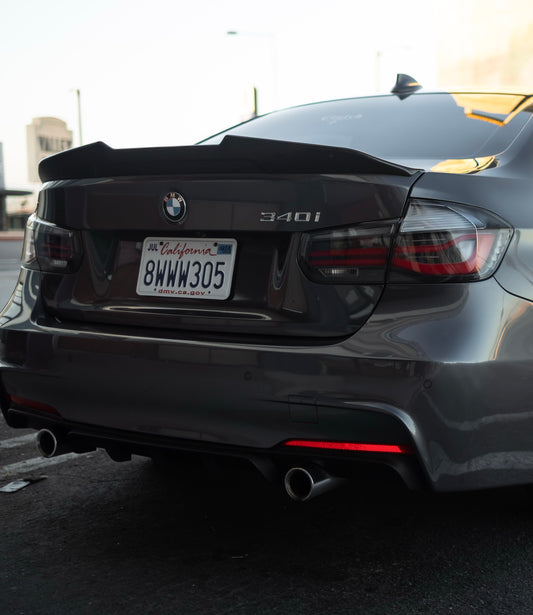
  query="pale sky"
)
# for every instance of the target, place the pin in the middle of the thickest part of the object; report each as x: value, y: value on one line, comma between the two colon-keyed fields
x: 164, y: 72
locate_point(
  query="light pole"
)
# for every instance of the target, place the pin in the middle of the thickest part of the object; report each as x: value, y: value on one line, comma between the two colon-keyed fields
x: 273, y: 62
x: 78, y: 96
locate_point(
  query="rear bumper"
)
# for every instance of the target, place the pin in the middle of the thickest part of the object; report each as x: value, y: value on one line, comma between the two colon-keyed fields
x: 273, y: 463
x: 148, y: 397
x: 426, y: 371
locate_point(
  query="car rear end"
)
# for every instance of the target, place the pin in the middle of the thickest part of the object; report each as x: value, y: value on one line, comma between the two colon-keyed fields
x: 299, y: 306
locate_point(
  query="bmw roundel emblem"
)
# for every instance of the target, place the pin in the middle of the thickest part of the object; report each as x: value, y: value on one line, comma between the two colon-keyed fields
x: 174, y: 207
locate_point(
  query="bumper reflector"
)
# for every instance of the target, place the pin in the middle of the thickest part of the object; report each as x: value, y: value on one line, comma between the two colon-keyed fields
x: 34, y: 405
x: 353, y: 446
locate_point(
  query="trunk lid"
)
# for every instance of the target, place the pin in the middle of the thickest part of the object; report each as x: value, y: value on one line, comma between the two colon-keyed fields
x: 251, y: 203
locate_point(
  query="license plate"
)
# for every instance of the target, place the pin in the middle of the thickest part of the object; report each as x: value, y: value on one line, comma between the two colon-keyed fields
x: 185, y: 267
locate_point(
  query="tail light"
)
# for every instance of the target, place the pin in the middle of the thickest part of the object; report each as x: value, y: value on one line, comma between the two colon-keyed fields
x: 437, y: 242
x: 446, y: 241
x: 357, y: 254
x: 50, y: 248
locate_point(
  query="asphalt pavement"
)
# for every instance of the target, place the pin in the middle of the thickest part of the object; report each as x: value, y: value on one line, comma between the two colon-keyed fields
x: 93, y: 536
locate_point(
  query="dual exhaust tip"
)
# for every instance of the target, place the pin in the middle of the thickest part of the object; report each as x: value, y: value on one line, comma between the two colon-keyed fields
x: 304, y: 483
x: 50, y: 445
x: 301, y: 483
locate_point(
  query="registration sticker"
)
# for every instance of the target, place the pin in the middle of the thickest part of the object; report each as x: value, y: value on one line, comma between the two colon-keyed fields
x: 187, y: 267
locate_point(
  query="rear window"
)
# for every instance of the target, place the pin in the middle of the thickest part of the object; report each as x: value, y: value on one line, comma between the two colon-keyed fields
x: 429, y: 126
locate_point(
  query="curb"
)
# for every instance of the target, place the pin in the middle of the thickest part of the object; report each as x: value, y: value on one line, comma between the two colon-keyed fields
x: 11, y: 235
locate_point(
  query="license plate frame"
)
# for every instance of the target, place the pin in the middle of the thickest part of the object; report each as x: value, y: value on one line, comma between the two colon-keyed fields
x: 187, y: 267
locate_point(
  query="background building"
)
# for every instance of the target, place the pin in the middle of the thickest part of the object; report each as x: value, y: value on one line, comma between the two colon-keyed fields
x: 45, y: 136
x: 21, y: 211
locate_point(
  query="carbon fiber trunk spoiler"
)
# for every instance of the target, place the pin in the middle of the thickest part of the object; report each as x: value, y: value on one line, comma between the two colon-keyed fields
x: 232, y: 155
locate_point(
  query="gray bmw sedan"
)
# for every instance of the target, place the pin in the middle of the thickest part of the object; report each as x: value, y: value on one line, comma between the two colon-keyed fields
x: 320, y: 292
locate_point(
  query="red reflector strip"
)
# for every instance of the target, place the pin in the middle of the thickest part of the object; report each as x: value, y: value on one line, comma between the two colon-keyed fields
x: 353, y: 446
x: 30, y: 403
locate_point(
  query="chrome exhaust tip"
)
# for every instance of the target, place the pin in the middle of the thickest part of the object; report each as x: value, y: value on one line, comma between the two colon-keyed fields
x: 49, y: 445
x: 302, y: 484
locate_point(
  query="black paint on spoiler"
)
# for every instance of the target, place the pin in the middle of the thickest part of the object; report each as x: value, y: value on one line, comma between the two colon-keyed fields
x: 232, y: 155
